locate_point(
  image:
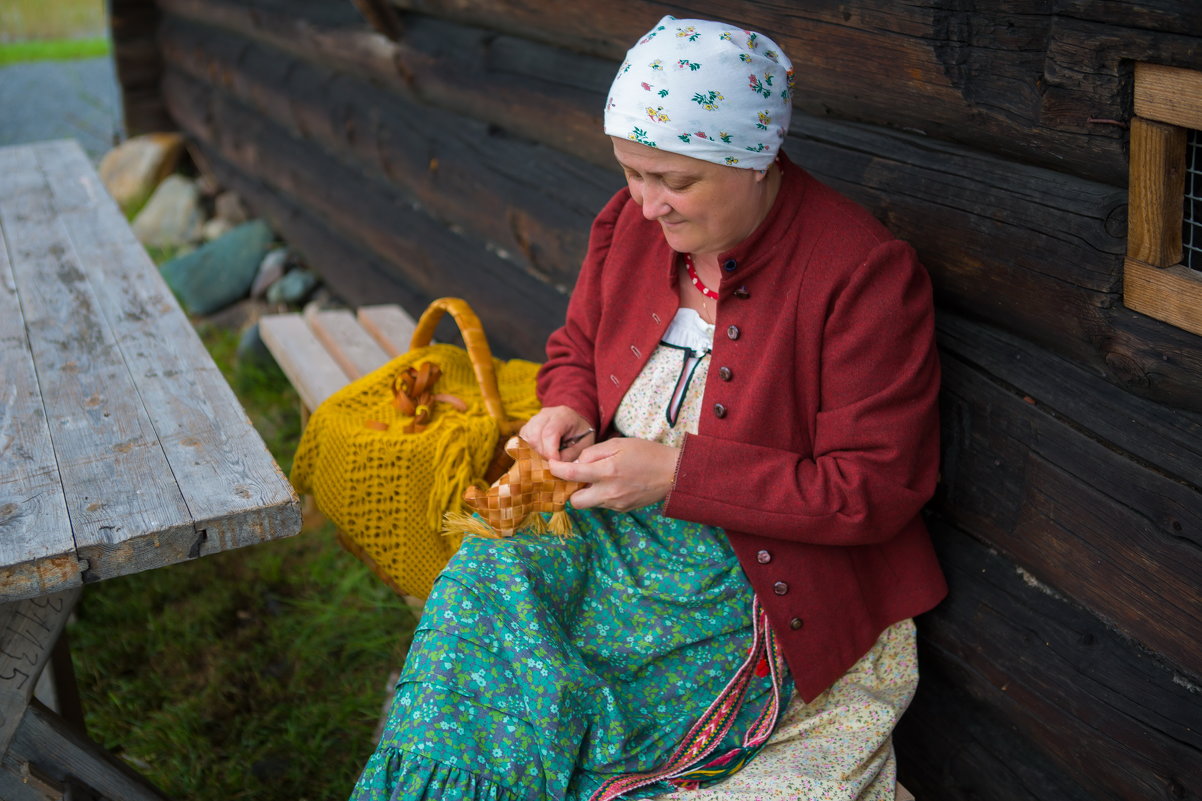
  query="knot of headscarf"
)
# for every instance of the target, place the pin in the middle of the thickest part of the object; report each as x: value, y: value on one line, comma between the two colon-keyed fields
x: 704, y: 89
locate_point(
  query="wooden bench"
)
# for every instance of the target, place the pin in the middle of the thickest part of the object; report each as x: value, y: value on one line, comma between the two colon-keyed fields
x: 320, y: 351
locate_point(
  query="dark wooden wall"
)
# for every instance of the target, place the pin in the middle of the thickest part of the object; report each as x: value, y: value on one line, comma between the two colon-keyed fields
x: 455, y: 148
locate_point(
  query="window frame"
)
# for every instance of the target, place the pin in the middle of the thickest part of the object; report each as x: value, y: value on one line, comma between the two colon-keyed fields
x: 1168, y: 101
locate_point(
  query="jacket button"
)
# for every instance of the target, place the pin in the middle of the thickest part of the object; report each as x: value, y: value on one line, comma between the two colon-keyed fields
x: 741, y: 293
x: 780, y: 588
x: 763, y: 557
x: 725, y: 373
x: 729, y: 265
x: 733, y: 332
x: 796, y: 623
x: 719, y: 410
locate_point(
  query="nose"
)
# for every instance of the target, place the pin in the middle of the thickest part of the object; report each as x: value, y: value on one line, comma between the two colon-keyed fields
x: 654, y: 205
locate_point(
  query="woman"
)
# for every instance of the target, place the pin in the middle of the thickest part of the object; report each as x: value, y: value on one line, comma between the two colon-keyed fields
x: 733, y: 614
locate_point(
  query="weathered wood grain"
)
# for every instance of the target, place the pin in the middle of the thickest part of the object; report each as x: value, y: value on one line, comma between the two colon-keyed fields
x: 234, y: 493
x: 1105, y: 715
x: 311, y: 370
x: 1168, y: 440
x: 390, y: 325
x: 28, y: 631
x: 356, y: 352
x: 1031, y: 249
x: 1010, y: 81
x: 46, y: 742
x: 1156, y: 191
x: 1118, y: 534
x: 37, y: 551
x: 373, y: 214
x: 101, y: 433
x: 1169, y: 94
x: 532, y: 201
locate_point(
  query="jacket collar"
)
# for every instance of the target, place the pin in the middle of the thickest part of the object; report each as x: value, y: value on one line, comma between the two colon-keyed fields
x: 755, y: 251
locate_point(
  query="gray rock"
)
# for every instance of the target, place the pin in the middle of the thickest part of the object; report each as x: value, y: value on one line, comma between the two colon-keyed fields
x: 215, y: 229
x: 293, y: 288
x: 219, y: 272
x: 172, y: 216
x: 133, y: 169
x: 228, y: 206
x: 270, y: 270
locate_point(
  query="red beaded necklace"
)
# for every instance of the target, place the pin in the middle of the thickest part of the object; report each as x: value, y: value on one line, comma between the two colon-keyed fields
x: 702, y: 288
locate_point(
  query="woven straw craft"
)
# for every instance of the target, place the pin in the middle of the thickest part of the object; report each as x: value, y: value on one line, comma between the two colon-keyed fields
x: 518, y: 499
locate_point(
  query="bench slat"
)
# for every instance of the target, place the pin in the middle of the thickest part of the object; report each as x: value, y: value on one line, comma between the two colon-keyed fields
x: 302, y: 357
x: 389, y: 325
x: 356, y: 352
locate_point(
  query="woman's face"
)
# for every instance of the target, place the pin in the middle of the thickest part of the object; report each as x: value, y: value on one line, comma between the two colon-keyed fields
x: 702, y: 207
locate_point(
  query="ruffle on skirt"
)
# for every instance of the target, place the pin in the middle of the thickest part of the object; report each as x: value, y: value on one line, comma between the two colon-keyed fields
x: 394, y: 775
x: 545, y: 667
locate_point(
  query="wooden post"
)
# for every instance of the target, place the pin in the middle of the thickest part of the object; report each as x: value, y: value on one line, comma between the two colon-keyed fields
x: 1156, y: 192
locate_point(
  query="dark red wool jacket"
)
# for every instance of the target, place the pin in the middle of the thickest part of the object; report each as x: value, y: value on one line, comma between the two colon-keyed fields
x: 818, y: 441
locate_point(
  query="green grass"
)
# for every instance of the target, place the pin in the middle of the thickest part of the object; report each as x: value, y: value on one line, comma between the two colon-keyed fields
x: 24, y: 20
x: 255, y: 674
x: 58, y: 50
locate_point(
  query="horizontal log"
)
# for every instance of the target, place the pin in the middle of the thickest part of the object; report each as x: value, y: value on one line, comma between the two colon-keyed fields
x: 1118, y: 534
x: 1010, y: 82
x: 1029, y: 249
x: 426, y: 254
x: 470, y: 71
x: 1026, y: 249
x: 1106, y: 716
x: 533, y: 202
x: 1168, y: 440
x: 952, y: 746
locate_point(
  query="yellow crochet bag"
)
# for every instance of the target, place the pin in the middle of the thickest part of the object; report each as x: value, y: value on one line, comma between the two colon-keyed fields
x: 389, y: 454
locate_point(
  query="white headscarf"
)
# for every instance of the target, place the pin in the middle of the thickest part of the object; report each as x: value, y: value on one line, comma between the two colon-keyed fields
x: 704, y: 89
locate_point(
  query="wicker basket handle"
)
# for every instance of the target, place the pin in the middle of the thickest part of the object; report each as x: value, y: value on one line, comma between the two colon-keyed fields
x: 477, y: 349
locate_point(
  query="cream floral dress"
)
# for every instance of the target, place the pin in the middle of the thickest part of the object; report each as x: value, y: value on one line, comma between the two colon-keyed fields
x: 838, y: 747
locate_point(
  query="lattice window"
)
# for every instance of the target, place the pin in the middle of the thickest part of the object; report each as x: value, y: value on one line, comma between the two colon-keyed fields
x: 1162, y: 276
x: 1191, y: 227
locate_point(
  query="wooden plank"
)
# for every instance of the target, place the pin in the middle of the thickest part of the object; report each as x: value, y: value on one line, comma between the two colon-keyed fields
x: 37, y: 552
x: 1172, y: 294
x: 533, y: 202
x: 102, y: 435
x: 234, y: 492
x: 418, y: 248
x: 17, y: 783
x: 313, y: 372
x: 1167, y: 439
x: 389, y: 325
x: 46, y: 742
x: 28, y: 631
x: 1169, y: 94
x: 1101, y: 714
x: 1157, y: 192
x: 352, y: 347
x: 1115, y: 533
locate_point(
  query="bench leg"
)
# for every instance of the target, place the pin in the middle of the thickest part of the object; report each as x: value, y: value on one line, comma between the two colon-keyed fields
x: 50, y: 757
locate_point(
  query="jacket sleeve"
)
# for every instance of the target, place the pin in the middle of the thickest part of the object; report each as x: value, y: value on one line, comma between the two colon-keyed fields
x: 568, y: 377
x: 875, y: 445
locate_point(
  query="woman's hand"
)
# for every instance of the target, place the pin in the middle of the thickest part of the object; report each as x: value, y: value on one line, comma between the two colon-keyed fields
x: 622, y: 474
x: 552, y: 426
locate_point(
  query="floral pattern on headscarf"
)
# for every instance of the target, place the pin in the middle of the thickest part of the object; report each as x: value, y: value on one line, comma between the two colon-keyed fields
x: 704, y: 89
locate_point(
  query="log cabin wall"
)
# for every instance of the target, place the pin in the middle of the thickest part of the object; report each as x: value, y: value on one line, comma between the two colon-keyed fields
x: 419, y: 148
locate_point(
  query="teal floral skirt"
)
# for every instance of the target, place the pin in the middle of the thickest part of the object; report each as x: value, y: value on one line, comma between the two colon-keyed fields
x: 625, y: 661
